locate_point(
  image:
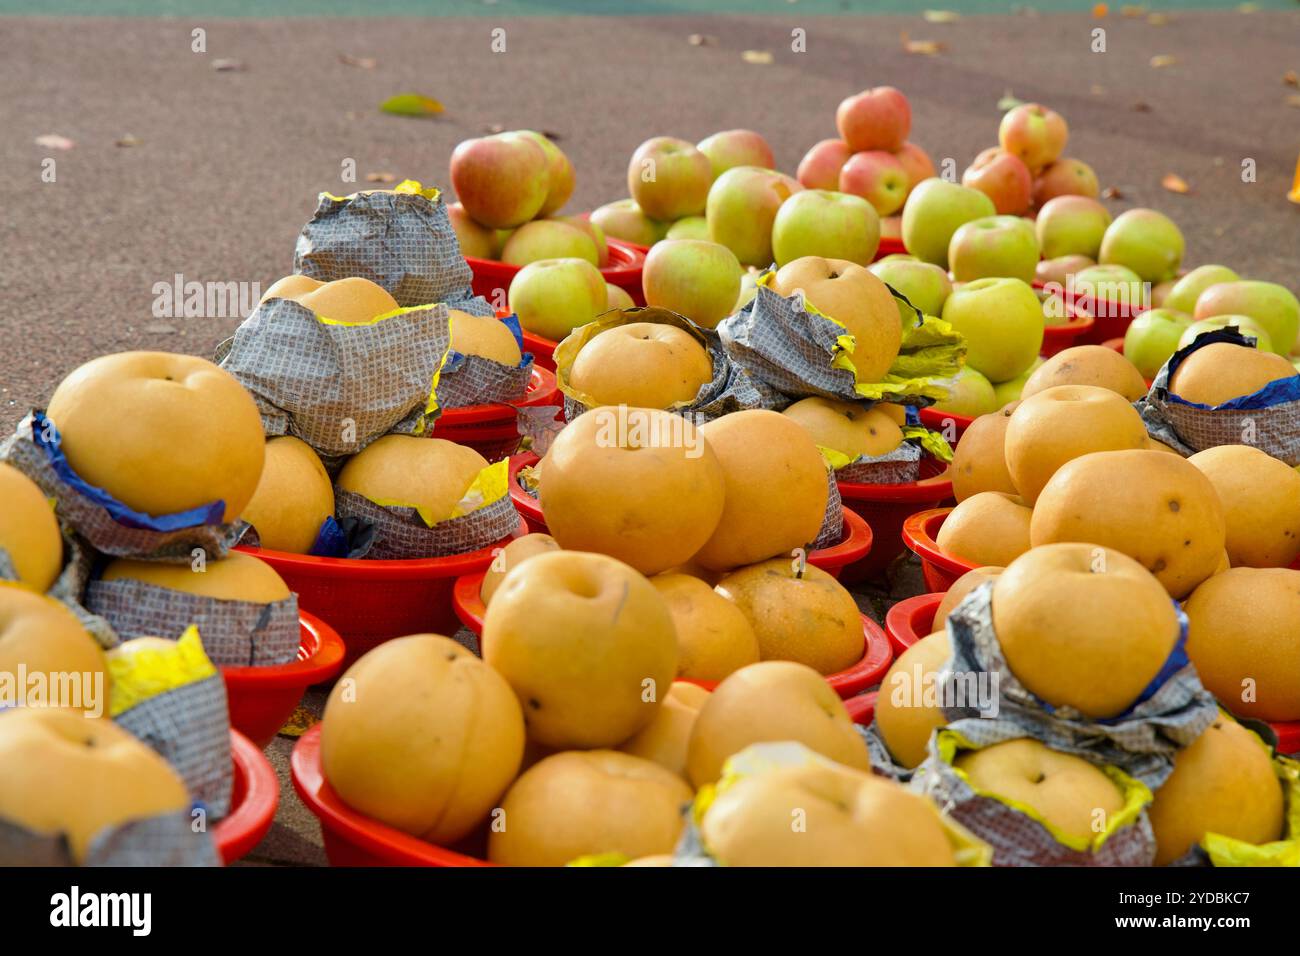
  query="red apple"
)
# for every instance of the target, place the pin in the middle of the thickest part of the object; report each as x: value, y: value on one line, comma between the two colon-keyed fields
x: 1003, y: 178
x: 736, y: 147
x: 559, y: 172
x: 917, y: 162
x: 669, y: 178
x: 1066, y: 177
x: 821, y: 165
x: 878, y: 177
x: 879, y: 118
x: 502, y: 181
x: 1034, y: 133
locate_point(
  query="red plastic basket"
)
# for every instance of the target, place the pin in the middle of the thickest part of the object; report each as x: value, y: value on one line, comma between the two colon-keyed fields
x: 1058, y: 338
x: 253, y: 801
x: 862, y: 708
x: 492, y: 429
x: 940, y: 570
x: 352, y: 838
x: 885, y: 507
x: 369, y: 602
x: 945, y: 423
x: 529, y: 508
x: 623, y: 269
x: 889, y: 246
x: 910, y: 620
x: 262, y: 698
x: 1110, y: 319
x: 543, y: 351
x: 1288, y: 736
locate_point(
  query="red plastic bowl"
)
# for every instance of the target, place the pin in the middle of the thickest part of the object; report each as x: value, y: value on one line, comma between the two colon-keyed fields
x: 1058, y: 338
x: 492, y: 429
x: 889, y: 246
x: 885, y: 507
x: 862, y: 708
x: 369, y: 602
x: 529, y: 508
x: 623, y: 270
x: 910, y: 620
x: 543, y: 351
x: 352, y: 838
x: 1288, y: 736
x: 945, y: 423
x: 262, y: 698
x: 940, y: 570
x: 1110, y: 319
x: 253, y: 801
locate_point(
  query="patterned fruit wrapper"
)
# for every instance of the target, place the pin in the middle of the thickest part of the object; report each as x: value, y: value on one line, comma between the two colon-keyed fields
x: 402, y: 240
x: 1017, y: 832
x: 1268, y: 419
x: 174, y: 700
x: 986, y: 704
x: 968, y: 848
x: 70, y: 586
x: 168, y: 839
x: 475, y: 380
x: 898, y: 467
x: 1215, y: 849
x: 785, y: 343
x: 882, y: 761
x: 340, y: 386
x: 484, y: 516
x: 730, y: 389
x: 235, y: 633
x: 106, y: 524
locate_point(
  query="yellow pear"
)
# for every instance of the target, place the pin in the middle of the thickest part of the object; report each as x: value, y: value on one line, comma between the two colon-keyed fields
x: 485, y: 336
x: 988, y: 528
x: 511, y: 556
x: 846, y: 427
x: 430, y: 474
x: 961, y: 587
x: 1261, y: 504
x: 1221, y: 372
x: 664, y: 740
x: 714, y: 638
x: 905, y: 717
x: 644, y: 364
x: 29, y: 532
x: 293, y: 499
x: 236, y: 577
x: 1094, y: 365
x: 979, y: 461
x: 292, y: 287
x: 351, y: 300
x: 42, y: 635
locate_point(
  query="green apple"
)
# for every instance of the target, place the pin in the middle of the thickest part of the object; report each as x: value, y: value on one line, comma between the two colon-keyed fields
x: 1188, y: 289
x: 616, y: 297
x: 594, y: 231
x: 1152, y: 337
x: 669, y: 178
x: 1071, y: 225
x: 994, y: 246
x: 735, y: 147
x: 1060, y: 269
x: 969, y: 393
x: 818, y: 222
x: 692, y: 277
x: 1145, y: 241
x: 1160, y: 292
x: 926, y: 285
x: 934, y: 211
x: 1110, y: 284
x: 1247, y: 325
x: 1009, y: 391
x: 1002, y: 322
x: 692, y: 227
x: 1273, y: 306
x: 555, y: 296
x: 748, y: 288
x: 742, y: 206
x: 625, y: 220
x: 549, y: 239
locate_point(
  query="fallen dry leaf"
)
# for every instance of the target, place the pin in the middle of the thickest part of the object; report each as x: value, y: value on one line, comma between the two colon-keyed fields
x: 757, y: 57
x: 1290, y: 78
x: 1111, y: 192
x: 1293, y: 100
x: 1248, y: 8
x: 922, y: 47
x: 360, y: 62
x: 1158, y: 19
x: 1175, y: 183
x: 380, y: 178
x: 228, y: 65
x: 54, y: 141
x: 1097, y: 89
x: 128, y: 140
x: 1163, y: 60
x: 702, y: 39
x: 1141, y: 107
x: 1132, y: 11
x: 411, y: 104
x: 941, y: 16
x: 1099, y: 10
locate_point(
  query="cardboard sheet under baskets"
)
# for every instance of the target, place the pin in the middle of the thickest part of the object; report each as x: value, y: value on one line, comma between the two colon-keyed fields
x: 165, y: 840
x: 106, y: 524
x: 339, y: 387
x: 1268, y: 420
x: 730, y: 390
x: 1141, y: 742
x: 402, y: 240
x: 234, y: 633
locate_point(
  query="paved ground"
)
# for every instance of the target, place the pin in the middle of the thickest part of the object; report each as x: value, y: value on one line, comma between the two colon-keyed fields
x: 226, y: 165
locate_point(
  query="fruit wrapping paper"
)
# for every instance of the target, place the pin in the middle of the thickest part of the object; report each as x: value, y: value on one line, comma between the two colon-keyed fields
x: 475, y: 380
x: 882, y: 761
x: 402, y: 240
x: 235, y: 633
x: 167, y: 839
x: 968, y: 848
x: 1268, y: 419
x: 70, y: 586
x: 1141, y: 742
x: 174, y: 700
x: 1017, y: 833
x: 336, y: 386
x: 104, y: 523
x: 730, y: 390
x: 485, y: 516
x: 785, y: 343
